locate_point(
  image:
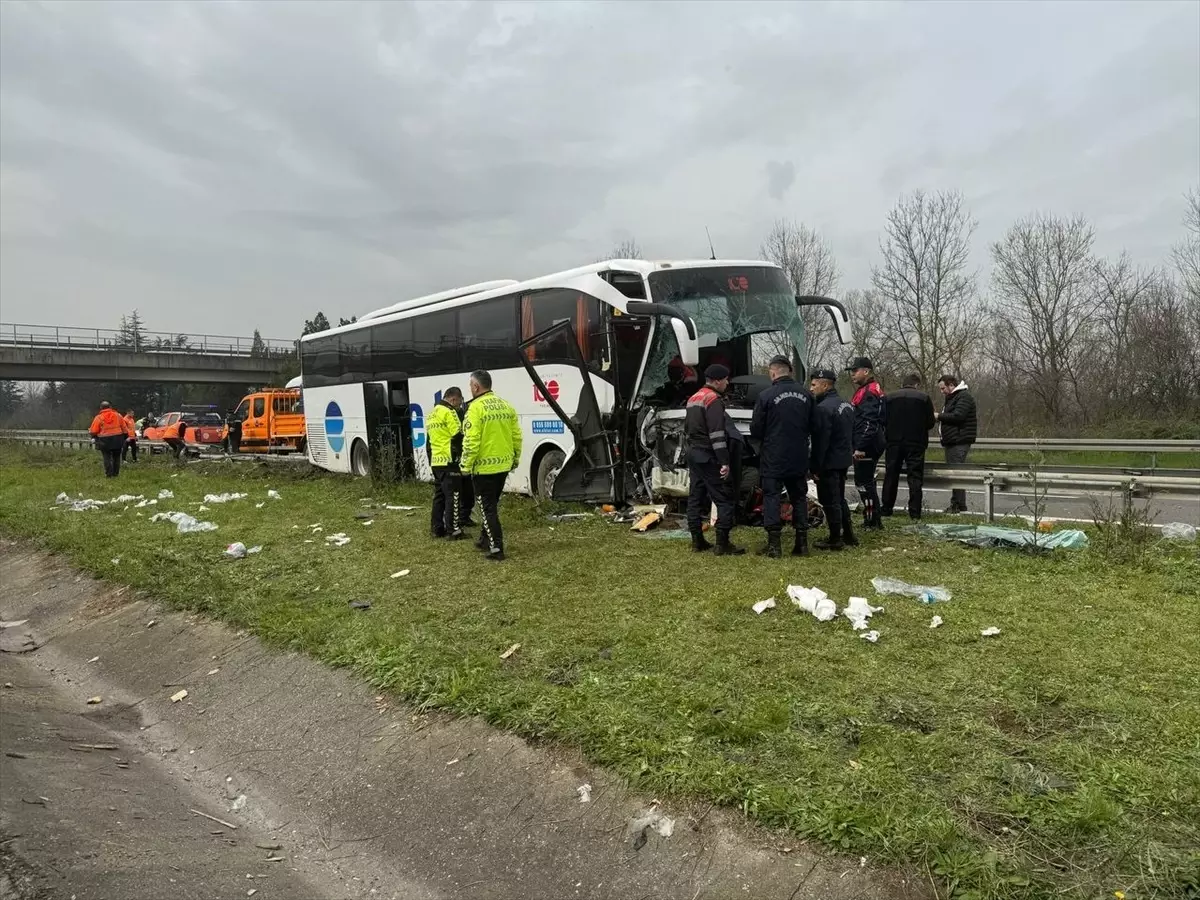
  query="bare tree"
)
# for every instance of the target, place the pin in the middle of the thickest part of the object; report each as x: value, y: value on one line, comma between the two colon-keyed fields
x: 809, y: 264
x: 629, y: 248
x: 1122, y: 290
x: 1044, y: 293
x: 925, y: 283
x: 1187, y: 253
x: 1164, y: 349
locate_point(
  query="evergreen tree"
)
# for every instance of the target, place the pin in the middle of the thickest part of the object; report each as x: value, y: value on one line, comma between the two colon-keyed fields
x: 349, y: 321
x: 316, y: 323
x: 11, y: 399
x: 258, y: 347
x: 132, y: 333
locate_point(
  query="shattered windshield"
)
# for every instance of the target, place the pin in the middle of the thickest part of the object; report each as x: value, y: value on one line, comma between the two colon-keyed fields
x: 744, y: 315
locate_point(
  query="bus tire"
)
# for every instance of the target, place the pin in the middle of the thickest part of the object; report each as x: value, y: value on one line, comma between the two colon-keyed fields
x: 552, y: 460
x: 360, y: 459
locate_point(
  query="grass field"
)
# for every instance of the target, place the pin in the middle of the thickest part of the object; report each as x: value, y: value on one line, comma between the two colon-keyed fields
x: 1060, y: 758
x: 1018, y: 458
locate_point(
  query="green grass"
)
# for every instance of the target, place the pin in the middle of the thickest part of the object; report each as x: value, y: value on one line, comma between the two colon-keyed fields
x: 1021, y: 459
x: 1061, y: 758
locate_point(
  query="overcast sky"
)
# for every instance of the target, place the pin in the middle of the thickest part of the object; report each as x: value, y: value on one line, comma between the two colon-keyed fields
x: 226, y: 166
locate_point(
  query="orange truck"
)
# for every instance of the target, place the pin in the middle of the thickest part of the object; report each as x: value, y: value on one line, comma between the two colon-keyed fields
x: 267, y: 421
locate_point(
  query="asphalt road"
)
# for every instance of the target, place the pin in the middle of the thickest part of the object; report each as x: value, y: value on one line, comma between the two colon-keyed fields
x: 1075, y: 507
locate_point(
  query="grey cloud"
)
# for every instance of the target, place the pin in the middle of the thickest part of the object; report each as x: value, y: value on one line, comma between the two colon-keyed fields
x: 258, y: 161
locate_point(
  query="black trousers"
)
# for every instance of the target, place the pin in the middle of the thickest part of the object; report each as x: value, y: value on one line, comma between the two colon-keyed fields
x: 466, y: 503
x: 176, y: 446
x: 831, y: 492
x: 911, y: 459
x: 447, y: 501
x: 131, y: 447
x: 110, y: 451
x: 957, y: 453
x: 707, y: 488
x: 797, y: 489
x: 488, y: 489
x: 868, y: 492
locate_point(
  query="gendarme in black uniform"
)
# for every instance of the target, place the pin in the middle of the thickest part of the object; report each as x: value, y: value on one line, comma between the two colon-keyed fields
x: 709, y: 462
x: 832, y: 454
x: 785, y: 417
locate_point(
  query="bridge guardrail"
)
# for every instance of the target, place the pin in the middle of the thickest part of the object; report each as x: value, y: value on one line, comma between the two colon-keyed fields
x: 50, y: 337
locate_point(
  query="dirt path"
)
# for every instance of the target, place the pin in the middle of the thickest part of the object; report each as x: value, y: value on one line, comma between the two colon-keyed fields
x: 362, y: 798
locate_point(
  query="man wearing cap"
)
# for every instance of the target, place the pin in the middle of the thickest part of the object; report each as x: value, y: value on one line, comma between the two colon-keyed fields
x: 870, y: 416
x: 109, y: 433
x: 832, y: 454
x: 784, y: 420
x: 709, y: 462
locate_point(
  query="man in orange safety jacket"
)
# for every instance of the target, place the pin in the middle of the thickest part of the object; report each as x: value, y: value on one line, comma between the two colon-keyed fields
x: 109, y: 434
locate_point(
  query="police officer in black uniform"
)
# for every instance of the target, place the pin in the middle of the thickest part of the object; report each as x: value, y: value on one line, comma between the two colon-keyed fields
x: 832, y: 455
x: 785, y: 417
x: 709, y: 462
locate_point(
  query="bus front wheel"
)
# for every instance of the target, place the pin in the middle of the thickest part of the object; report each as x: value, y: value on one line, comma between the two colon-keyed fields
x: 547, y: 471
x: 360, y: 460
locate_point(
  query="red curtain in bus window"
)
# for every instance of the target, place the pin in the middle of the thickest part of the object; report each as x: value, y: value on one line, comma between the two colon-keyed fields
x: 582, y: 330
x: 527, y: 325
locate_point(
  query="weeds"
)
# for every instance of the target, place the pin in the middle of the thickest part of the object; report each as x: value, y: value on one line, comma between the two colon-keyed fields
x: 1124, y: 531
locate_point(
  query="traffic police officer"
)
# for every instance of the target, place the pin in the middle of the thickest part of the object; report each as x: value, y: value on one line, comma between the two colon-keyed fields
x: 491, y: 449
x: 869, y: 438
x: 709, y: 462
x: 832, y: 454
x: 445, y: 449
x: 785, y: 417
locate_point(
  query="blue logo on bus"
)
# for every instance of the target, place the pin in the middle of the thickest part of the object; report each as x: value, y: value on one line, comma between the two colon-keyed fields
x: 548, y: 426
x: 417, y: 417
x: 335, y: 427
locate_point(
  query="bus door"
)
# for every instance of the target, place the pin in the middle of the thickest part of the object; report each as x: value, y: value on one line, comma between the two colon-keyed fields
x: 588, y: 474
x: 381, y: 433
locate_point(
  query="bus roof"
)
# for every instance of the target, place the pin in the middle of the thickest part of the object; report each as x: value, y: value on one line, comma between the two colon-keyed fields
x: 457, y: 297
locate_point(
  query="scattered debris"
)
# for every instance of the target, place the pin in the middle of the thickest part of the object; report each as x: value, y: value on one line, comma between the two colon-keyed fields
x: 341, y: 539
x: 363, y: 515
x: 11, y: 754
x: 116, y: 560
x: 872, y: 636
x: 401, y: 573
x: 229, y: 825
x: 164, y: 494
x: 813, y: 600
x: 453, y: 761
x: 995, y: 536
x: 369, y: 522
x: 647, y: 821
x: 585, y: 793
x: 273, y: 494
x: 263, y: 845
x: 562, y: 517
x: 94, y: 659
x: 224, y: 498
x: 360, y: 604
x: 260, y: 505
x: 922, y: 592
x: 990, y: 632
x: 510, y: 651
x: 92, y: 701
x: 152, y: 623
x: 935, y: 622
x: 858, y: 611
x: 184, y: 523
x: 12, y: 623
x: 128, y: 498
x: 180, y: 695
x: 646, y: 522
x: 236, y: 550
x: 214, y: 671
x: 239, y: 803
x: 763, y: 605
x: 79, y: 505
x: 1179, y: 531
x: 401, y: 508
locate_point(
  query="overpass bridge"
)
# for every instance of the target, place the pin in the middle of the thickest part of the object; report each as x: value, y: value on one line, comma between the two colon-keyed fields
x: 57, y: 353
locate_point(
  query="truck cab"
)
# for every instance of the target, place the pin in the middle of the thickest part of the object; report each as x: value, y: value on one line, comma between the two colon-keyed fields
x: 267, y: 421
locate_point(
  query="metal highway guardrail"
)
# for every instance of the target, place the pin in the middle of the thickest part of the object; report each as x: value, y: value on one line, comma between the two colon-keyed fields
x: 82, y: 440
x: 61, y: 337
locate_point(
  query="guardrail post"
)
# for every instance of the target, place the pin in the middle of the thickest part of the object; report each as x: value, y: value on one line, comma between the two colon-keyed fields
x: 989, y: 498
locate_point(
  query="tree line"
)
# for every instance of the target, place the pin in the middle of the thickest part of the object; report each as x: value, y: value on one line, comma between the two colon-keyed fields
x: 1053, y: 339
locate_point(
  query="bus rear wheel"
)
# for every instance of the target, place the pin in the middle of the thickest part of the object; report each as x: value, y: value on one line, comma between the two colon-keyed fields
x: 547, y: 470
x: 360, y: 460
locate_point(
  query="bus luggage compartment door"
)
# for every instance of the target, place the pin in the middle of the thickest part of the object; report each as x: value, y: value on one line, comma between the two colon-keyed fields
x: 587, y: 475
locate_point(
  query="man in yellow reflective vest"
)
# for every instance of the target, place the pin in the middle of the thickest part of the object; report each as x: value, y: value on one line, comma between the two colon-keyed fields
x: 445, y: 449
x: 491, y: 449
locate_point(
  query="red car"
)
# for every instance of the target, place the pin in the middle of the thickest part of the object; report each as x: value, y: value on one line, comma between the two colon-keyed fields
x: 202, y: 428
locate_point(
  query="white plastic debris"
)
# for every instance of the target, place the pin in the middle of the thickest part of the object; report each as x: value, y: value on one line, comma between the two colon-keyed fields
x: 1179, y: 531
x: 872, y: 636
x: 935, y: 622
x: 400, y: 574
x: 127, y: 498
x: 763, y: 605
x: 369, y: 522
x: 651, y: 819
x: 236, y: 550
x: 813, y: 600
x: 224, y: 498
x: 164, y: 494
x: 338, y: 540
x: 181, y: 695
x: 922, y: 592
x: 185, y: 523
x: 858, y: 611
x: 510, y: 651
x: 252, y: 550
x: 260, y: 505
x: 401, y: 508
x: 78, y: 505
x: 990, y: 632
x: 585, y: 793
x: 273, y: 495
x: 316, y: 527
x: 239, y: 803
x: 202, y: 508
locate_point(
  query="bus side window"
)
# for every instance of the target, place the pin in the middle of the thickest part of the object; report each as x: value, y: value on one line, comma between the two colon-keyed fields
x: 542, y: 309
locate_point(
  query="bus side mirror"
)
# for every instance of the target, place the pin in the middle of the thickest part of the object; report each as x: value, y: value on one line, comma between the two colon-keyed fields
x: 689, y: 346
x: 683, y: 327
x: 837, y: 312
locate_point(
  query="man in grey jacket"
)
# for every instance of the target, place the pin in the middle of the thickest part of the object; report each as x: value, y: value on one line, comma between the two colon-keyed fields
x: 960, y: 428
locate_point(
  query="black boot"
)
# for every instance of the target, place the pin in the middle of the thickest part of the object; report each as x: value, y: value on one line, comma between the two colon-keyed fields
x: 699, y: 544
x: 772, y: 550
x: 848, y: 537
x: 800, y: 548
x: 830, y: 543
x: 724, y: 547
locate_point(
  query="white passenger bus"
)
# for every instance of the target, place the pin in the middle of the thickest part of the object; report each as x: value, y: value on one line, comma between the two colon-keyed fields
x: 598, y: 362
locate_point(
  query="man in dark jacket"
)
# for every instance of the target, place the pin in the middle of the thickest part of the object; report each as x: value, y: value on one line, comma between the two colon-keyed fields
x: 709, y: 462
x: 909, y: 418
x: 785, y: 417
x: 870, y: 416
x: 960, y: 428
x: 832, y: 454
